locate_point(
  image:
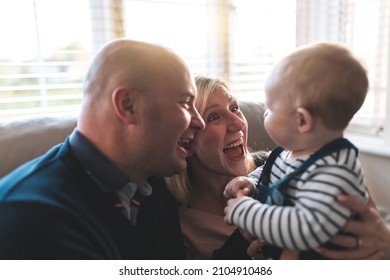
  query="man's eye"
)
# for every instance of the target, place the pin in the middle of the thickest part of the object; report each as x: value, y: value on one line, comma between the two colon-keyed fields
x: 186, y: 104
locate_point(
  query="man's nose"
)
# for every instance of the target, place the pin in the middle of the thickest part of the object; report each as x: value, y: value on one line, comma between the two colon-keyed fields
x: 196, y: 120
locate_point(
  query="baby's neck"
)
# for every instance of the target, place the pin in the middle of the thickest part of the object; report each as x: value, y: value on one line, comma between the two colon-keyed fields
x: 313, y: 143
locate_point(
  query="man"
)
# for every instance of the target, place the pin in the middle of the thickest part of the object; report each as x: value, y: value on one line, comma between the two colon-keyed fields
x: 80, y: 200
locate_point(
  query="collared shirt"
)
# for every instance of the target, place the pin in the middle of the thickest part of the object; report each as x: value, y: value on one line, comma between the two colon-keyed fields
x: 107, y: 176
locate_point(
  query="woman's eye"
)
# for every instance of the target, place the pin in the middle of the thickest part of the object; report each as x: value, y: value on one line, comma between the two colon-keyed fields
x: 235, y: 108
x: 212, y: 117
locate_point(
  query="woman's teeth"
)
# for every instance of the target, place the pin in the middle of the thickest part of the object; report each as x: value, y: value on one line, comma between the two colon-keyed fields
x: 234, y: 145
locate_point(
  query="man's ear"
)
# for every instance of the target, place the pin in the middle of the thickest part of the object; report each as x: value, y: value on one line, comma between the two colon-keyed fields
x: 305, y: 120
x: 123, y: 100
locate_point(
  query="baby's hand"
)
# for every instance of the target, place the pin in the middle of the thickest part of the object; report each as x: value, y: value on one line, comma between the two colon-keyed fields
x: 239, y: 184
x: 230, y: 204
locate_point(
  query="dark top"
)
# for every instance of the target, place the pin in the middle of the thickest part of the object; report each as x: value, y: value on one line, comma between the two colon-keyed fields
x: 55, y: 207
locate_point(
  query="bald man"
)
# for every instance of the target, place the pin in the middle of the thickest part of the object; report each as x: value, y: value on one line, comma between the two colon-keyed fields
x: 81, y: 199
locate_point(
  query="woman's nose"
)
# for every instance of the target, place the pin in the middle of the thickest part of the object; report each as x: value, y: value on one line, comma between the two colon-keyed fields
x: 236, y: 123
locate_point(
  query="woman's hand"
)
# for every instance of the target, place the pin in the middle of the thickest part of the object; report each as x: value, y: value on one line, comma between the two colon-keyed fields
x: 255, y: 246
x: 254, y: 249
x: 370, y: 236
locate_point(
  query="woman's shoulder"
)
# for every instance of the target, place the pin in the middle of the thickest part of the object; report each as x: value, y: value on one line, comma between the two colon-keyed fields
x: 259, y: 157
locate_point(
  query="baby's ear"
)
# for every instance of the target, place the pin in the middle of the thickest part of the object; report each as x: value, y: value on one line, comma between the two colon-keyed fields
x: 305, y: 120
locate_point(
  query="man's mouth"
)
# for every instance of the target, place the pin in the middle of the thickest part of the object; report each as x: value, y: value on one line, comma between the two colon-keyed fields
x: 234, y: 149
x: 185, y: 143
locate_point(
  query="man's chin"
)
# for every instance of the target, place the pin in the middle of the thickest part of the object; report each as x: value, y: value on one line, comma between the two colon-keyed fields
x: 189, y: 153
x: 177, y: 168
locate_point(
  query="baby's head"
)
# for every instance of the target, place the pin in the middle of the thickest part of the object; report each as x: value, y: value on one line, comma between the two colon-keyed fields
x: 325, y: 79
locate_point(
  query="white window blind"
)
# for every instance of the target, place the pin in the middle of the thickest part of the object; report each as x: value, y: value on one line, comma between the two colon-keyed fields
x: 261, y: 33
x: 182, y: 25
x: 362, y: 25
x: 239, y: 40
x: 43, y: 57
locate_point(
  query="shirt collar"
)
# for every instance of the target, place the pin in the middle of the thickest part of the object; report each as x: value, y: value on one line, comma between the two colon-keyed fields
x: 97, y: 165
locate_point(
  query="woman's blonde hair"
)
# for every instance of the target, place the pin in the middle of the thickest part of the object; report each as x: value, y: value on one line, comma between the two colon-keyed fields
x: 179, y: 185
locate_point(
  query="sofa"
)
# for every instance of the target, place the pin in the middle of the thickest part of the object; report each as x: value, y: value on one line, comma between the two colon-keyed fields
x: 24, y: 139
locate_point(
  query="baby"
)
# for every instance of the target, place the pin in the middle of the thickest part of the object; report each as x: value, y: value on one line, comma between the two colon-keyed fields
x: 311, y: 95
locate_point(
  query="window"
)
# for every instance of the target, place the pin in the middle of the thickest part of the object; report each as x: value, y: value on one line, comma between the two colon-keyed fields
x: 363, y: 25
x: 44, y: 57
x: 262, y: 32
x: 181, y: 25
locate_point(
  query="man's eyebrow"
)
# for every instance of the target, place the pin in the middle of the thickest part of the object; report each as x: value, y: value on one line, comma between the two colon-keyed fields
x: 187, y: 94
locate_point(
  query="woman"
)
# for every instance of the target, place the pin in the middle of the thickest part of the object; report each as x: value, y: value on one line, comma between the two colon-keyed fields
x: 220, y: 153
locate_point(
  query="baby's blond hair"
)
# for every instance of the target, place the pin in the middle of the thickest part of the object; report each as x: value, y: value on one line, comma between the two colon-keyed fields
x: 324, y: 78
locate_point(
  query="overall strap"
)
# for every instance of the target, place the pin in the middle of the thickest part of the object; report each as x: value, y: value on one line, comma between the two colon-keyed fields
x: 280, y: 185
x: 263, y: 183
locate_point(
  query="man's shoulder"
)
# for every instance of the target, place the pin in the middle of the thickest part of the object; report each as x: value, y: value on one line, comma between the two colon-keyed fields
x: 37, y: 176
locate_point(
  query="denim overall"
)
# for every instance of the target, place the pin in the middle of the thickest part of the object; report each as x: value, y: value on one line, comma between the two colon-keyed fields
x: 276, y: 194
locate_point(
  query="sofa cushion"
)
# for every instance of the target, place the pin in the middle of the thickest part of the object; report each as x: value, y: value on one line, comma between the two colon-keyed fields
x: 23, y: 140
x: 258, y: 138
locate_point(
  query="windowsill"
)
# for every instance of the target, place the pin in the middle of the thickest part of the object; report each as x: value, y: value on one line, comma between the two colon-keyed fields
x: 369, y: 144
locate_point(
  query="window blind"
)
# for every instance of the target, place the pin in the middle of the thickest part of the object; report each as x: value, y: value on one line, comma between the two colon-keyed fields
x: 43, y: 58
x: 262, y: 32
x: 362, y: 25
x: 181, y: 25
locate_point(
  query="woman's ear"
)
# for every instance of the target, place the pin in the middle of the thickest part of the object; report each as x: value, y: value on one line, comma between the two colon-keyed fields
x: 305, y: 120
x: 123, y: 100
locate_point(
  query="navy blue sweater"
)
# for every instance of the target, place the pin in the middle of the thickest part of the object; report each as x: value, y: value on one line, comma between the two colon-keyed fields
x: 51, y: 209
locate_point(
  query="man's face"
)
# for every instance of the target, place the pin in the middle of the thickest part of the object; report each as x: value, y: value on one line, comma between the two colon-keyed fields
x: 171, y: 121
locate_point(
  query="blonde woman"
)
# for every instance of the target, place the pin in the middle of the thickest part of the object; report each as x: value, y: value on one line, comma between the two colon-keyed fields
x: 220, y: 153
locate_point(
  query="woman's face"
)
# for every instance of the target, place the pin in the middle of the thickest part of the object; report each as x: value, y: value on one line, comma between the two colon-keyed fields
x: 221, y: 147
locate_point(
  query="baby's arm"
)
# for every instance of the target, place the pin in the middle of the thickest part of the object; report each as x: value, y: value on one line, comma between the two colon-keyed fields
x: 232, y: 203
x: 313, y: 219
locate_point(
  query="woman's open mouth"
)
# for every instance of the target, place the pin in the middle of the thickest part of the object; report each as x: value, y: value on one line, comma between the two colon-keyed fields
x: 234, y: 149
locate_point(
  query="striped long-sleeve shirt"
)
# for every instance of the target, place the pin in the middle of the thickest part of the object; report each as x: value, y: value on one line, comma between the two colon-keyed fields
x: 315, y: 215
